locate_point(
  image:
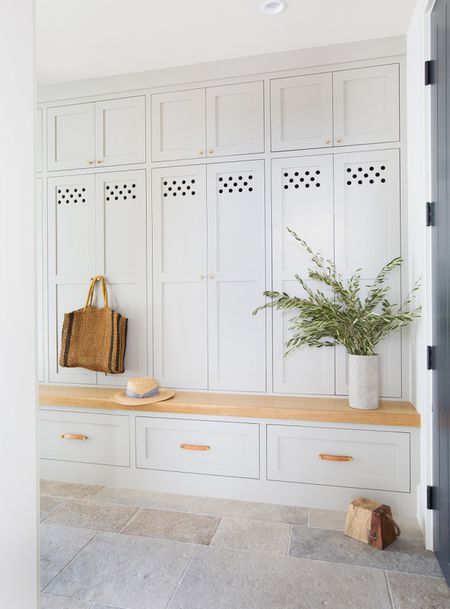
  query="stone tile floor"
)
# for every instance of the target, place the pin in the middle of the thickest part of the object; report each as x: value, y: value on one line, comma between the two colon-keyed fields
x: 107, y: 548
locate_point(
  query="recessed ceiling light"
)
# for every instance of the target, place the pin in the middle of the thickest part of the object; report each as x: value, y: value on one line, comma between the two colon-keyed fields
x: 273, y: 7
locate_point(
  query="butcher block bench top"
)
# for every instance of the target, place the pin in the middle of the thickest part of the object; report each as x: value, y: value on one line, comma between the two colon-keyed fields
x: 320, y: 409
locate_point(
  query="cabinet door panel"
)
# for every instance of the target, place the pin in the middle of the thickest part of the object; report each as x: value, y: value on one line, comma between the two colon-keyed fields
x: 301, y: 112
x: 178, y: 125
x: 236, y: 280
x: 71, y: 136
x: 71, y: 261
x: 120, y: 131
x: 180, y: 285
x: 302, y: 200
x: 235, y: 119
x: 366, y: 105
x: 121, y: 256
x: 367, y: 234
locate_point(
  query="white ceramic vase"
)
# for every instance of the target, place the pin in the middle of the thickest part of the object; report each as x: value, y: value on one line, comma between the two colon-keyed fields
x: 363, y: 381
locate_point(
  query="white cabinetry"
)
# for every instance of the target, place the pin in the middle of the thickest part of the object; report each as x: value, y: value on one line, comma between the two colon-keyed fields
x: 367, y: 235
x: 39, y: 215
x: 198, y: 447
x: 366, y: 105
x: 215, y: 121
x: 301, y: 112
x: 209, y: 274
x: 367, y: 459
x: 342, y: 108
x: 97, y: 225
x: 96, y: 134
x: 302, y: 199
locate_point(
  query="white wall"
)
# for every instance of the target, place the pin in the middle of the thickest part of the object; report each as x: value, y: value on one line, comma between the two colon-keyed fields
x: 418, y: 239
x: 18, y: 501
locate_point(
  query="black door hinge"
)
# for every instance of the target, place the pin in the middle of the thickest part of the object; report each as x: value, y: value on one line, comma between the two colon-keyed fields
x: 430, y: 362
x: 429, y: 214
x: 428, y: 73
x: 431, y: 505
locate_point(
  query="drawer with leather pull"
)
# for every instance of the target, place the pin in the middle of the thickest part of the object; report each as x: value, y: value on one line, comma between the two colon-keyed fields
x: 84, y: 437
x: 355, y: 458
x: 199, y: 447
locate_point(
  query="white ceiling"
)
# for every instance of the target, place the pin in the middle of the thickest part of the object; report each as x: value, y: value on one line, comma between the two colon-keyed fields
x: 79, y: 39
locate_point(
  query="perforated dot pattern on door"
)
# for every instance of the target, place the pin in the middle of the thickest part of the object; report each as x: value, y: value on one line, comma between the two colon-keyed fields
x: 237, y: 183
x: 120, y: 192
x: 179, y: 187
x: 67, y: 195
x: 365, y: 173
x: 301, y: 178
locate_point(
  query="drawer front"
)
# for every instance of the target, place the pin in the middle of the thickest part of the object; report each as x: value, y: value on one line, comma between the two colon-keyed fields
x: 86, y: 438
x: 198, y: 447
x: 378, y: 460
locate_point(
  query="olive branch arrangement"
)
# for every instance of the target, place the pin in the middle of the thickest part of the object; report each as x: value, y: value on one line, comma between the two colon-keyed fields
x: 345, y: 317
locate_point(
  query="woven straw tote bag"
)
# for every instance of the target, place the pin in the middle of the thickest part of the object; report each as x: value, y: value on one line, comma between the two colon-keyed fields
x: 94, y: 338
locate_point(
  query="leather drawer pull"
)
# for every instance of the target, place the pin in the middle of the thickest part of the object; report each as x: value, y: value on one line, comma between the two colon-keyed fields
x: 335, y: 457
x: 194, y: 446
x: 73, y: 436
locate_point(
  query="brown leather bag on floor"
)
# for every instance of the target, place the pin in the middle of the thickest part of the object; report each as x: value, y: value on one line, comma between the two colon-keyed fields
x: 371, y: 522
x: 94, y: 337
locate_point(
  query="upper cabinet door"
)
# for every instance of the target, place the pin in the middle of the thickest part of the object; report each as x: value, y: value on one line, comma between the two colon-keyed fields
x: 180, y: 277
x: 120, y: 131
x: 71, y: 137
x: 302, y: 199
x: 301, y: 112
x: 235, y: 119
x: 178, y: 125
x: 236, y: 276
x: 366, y: 105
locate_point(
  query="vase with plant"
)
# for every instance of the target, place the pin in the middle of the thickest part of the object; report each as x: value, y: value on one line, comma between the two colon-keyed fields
x: 345, y: 316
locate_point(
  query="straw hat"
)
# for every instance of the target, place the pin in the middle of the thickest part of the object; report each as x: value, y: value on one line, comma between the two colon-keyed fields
x: 140, y: 391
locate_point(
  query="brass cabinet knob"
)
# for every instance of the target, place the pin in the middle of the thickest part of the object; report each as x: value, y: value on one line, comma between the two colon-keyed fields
x: 98, y: 162
x: 338, y: 140
x: 200, y: 152
x: 91, y: 162
x: 327, y: 141
x: 211, y: 151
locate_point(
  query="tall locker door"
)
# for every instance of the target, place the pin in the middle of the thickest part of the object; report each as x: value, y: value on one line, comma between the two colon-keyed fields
x: 178, y: 125
x: 71, y: 137
x: 121, y: 258
x: 180, y: 276
x: 235, y: 119
x: 236, y: 276
x: 120, y: 131
x: 71, y: 261
x: 302, y: 112
x: 39, y: 280
x: 302, y: 200
x: 367, y: 208
x: 366, y: 105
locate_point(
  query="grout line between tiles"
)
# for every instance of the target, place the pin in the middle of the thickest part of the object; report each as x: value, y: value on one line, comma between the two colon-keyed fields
x: 138, y: 511
x: 289, y: 540
x: 70, y: 562
x: 172, y: 596
x: 391, y: 598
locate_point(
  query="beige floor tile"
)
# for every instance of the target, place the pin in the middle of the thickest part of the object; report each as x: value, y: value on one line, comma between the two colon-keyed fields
x: 190, y: 528
x: 86, y: 514
x: 252, y: 535
x: 418, y: 592
x: 147, y: 499
x: 49, y: 504
x: 69, y: 489
x: 248, y: 509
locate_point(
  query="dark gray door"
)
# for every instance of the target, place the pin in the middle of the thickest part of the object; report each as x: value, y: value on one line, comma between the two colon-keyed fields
x: 440, y: 49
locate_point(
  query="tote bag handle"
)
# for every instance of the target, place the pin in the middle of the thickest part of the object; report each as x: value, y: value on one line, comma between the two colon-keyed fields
x: 90, y: 296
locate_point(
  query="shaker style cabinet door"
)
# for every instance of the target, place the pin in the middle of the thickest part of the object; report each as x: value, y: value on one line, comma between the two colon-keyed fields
x: 302, y: 199
x: 236, y: 276
x: 180, y: 276
x: 367, y: 236
x: 120, y: 131
x: 235, y: 119
x: 178, y: 125
x: 301, y: 112
x: 366, y: 105
x: 71, y: 262
x: 121, y: 258
x: 71, y: 137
